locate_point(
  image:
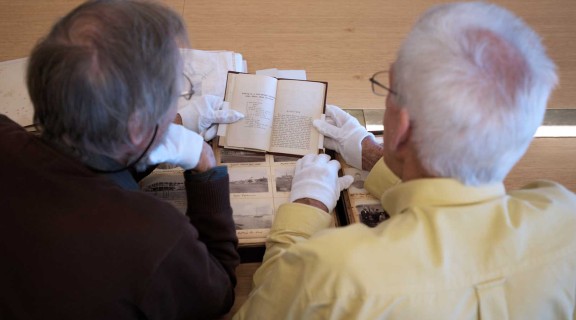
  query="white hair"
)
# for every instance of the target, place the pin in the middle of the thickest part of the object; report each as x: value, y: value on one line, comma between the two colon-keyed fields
x: 475, y: 80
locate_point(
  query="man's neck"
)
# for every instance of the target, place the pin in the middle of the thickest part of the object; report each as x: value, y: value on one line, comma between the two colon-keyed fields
x: 412, y: 168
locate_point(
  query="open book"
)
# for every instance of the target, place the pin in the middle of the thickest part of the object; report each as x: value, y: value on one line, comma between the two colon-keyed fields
x: 278, y: 114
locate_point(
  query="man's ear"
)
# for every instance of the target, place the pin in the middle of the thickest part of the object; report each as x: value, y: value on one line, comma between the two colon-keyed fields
x: 136, y: 130
x: 399, y: 133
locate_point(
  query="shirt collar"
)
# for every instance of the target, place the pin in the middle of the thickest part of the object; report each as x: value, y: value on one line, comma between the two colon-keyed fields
x: 124, y: 179
x: 437, y: 192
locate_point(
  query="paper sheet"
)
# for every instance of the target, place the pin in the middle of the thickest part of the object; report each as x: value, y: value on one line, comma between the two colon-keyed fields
x: 208, y: 69
x: 14, y: 100
x: 284, y: 74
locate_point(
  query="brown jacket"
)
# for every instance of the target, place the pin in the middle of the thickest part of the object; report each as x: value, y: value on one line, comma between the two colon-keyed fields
x: 76, y: 245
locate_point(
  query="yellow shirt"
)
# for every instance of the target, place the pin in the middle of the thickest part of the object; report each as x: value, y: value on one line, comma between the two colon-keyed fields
x: 449, y: 251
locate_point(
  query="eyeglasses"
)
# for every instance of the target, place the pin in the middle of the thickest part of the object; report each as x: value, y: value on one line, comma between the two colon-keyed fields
x: 188, y: 88
x: 133, y: 163
x: 377, y: 81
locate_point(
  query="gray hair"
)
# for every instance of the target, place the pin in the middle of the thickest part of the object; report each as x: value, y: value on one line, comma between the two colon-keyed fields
x: 475, y: 80
x: 100, y: 65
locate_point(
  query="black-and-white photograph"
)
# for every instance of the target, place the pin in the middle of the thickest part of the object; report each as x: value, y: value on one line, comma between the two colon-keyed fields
x: 278, y: 201
x: 360, y: 176
x: 252, y: 213
x: 168, y: 185
x: 285, y: 158
x: 248, y: 179
x: 241, y: 156
x: 371, y: 214
x: 283, y: 178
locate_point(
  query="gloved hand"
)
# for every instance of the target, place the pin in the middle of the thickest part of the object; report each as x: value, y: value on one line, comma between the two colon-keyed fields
x: 316, y: 177
x: 202, y: 114
x: 181, y: 147
x: 343, y: 134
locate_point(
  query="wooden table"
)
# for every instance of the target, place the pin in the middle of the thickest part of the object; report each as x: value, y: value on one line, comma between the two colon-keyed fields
x: 340, y: 41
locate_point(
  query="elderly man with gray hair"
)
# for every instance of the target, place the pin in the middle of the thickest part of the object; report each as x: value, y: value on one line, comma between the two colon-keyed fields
x: 466, y: 94
x: 78, y: 240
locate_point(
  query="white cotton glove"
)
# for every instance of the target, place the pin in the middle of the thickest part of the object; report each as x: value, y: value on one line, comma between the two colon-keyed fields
x: 343, y: 134
x: 181, y: 147
x: 202, y: 114
x: 316, y: 177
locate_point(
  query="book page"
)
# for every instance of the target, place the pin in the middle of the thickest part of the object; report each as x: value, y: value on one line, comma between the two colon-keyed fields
x: 298, y: 103
x: 254, y: 96
x: 259, y: 183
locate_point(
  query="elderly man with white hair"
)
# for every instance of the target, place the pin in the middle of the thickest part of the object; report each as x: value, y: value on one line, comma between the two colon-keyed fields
x: 465, y: 96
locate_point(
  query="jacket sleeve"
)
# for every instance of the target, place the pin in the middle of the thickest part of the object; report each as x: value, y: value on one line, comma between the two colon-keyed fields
x: 199, y: 272
x: 279, y: 285
x: 294, y: 223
